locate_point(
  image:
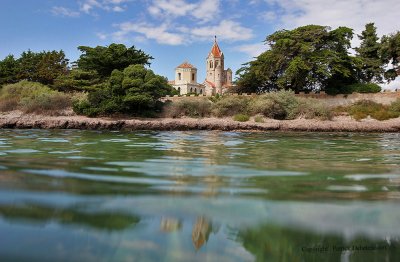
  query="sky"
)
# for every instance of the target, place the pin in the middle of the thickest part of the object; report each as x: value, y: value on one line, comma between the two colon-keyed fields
x: 174, y: 31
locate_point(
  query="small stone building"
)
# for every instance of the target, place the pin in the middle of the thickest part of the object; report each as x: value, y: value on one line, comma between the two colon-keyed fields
x: 186, y: 80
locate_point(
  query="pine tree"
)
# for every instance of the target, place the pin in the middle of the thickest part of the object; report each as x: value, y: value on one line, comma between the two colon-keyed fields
x: 371, y: 65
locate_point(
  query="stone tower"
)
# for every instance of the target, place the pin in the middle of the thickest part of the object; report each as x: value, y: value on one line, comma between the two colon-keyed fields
x: 215, y: 68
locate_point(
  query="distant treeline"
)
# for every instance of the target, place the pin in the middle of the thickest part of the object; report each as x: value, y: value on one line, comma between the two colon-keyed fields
x: 315, y: 57
x: 114, y: 77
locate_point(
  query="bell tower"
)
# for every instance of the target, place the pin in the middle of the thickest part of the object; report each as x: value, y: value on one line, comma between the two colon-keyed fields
x: 215, y: 67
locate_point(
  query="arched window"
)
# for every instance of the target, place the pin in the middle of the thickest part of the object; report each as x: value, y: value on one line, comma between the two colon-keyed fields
x: 211, y: 64
x: 179, y: 76
x: 216, y: 63
x: 193, y: 76
x: 191, y: 90
x: 195, y: 90
x: 179, y: 90
x: 201, y: 91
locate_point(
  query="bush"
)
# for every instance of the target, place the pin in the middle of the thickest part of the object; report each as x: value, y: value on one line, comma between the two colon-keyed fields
x: 365, y: 108
x: 33, y: 98
x: 365, y: 88
x: 188, y: 107
x: 230, y: 105
x: 241, y: 117
x: 277, y: 105
x: 310, y: 108
x: 259, y: 119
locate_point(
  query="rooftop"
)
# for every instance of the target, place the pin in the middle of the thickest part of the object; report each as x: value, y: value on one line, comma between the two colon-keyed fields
x: 186, y: 65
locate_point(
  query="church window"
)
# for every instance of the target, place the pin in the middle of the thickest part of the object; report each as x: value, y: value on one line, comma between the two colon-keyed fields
x: 216, y: 63
x: 201, y: 91
x: 191, y: 90
x: 211, y: 64
x: 195, y: 90
x: 179, y: 76
x: 192, y: 76
x: 179, y: 90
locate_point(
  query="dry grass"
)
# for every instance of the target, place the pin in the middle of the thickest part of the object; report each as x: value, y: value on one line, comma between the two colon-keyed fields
x: 33, y: 98
x: 188, y: 107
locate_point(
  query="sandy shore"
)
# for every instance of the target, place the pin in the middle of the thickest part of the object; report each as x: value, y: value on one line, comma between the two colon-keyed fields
x: 17, y: 119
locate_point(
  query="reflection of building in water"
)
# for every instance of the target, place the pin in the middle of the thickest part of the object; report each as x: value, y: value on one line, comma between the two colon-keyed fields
x: 170, y: 224
x: 201, y: 231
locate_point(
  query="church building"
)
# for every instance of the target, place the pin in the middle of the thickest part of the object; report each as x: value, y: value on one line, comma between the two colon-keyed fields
x: 217, y: 78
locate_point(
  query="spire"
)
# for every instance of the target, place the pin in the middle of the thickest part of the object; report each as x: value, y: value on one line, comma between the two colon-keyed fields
x: 215, y: 50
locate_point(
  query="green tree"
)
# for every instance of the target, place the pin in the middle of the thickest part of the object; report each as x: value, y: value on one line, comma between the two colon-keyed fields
x: 305, y: 58
x: 115, y: 56
x: 369, y: 54
x: 43, y: 67
x: 28, y: 62
x: 51, y: 65
x: 390, y: 53
x: 134, y: 90
x: 78, y: 80
x: 9, y: 68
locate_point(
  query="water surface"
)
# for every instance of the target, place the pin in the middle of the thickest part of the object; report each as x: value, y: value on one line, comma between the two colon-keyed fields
x: 74, y: 195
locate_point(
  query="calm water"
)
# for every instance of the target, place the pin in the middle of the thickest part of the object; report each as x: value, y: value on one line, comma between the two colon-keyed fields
x: 198, y: 196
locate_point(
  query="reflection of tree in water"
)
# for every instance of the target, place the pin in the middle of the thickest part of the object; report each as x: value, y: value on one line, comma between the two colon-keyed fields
x: 44, y: 214
x: 275, y: 243
x: 201, y: 232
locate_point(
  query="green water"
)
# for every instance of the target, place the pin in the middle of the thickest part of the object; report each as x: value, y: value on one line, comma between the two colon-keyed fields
x: 198, y: 196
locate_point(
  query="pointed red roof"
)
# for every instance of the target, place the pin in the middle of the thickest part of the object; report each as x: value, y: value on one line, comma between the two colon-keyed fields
x: 215, y: 50
x: 185, y: 65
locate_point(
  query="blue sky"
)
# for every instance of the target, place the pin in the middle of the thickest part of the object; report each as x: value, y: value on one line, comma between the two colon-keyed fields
x: 173, y: 31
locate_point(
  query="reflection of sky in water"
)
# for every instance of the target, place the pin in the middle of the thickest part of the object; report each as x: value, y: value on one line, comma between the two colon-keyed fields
x: 179, y: 196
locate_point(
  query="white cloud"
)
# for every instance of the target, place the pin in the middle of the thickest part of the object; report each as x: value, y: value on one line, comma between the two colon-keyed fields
x: 167, y: 34
x: 87, y: 6
x: 158, y: 33
x: 253, y: 50
x: 204, y: 10
x: 269, y: 16
x: 102, y: 36
x: 225, y: 30
x: 62, y: 11
x: 351, y: 13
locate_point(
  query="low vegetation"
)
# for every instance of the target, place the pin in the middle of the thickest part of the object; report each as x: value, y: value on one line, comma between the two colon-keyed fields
x: 277, y: 105
x: 188, y: 107
x: 365, y: 108
x: 241, y: 118
x: 32, y: 97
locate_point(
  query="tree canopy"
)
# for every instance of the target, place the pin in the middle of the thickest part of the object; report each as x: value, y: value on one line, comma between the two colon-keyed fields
x: 105, y: 59
x: 391, y: 55
x: 43, y: 67
x: 134, y: 90
x: 315, y: 57
x: 306, y: 58
x: 371, y: 65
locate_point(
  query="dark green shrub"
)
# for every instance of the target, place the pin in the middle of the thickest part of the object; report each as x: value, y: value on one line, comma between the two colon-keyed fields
x: 365, y: 88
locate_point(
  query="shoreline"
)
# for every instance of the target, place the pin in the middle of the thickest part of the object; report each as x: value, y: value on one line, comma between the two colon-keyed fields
x: 19, y: 120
